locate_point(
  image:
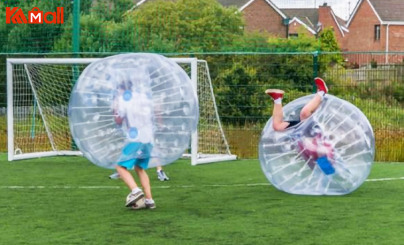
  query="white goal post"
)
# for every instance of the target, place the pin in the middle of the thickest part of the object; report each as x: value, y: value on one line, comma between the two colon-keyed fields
x: 38, y: 91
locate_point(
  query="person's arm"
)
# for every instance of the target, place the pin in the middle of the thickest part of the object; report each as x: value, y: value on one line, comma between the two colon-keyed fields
x: 118, y: 119
x: 119, y: 114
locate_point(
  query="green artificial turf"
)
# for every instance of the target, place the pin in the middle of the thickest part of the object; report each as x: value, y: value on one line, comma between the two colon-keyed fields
x: 68, y: 200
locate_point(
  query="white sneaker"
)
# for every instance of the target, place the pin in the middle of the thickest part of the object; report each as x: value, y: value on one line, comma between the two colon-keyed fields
x: 134, y: 198
x: 150, y: 205
x: 114, y: 176
x: 161, y: 175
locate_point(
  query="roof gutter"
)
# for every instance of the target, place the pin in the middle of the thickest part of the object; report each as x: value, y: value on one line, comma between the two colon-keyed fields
x: 336, y: 22
x: 395, y: 23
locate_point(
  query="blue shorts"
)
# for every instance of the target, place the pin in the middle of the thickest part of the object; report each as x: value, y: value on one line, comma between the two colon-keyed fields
x: 138, y: 154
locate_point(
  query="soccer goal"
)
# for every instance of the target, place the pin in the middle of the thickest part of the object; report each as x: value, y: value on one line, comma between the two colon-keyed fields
x: 38, y: 92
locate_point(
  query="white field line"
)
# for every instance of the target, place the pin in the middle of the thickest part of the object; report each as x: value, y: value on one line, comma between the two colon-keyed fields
x: 159, y: 187
x: 385, y: 179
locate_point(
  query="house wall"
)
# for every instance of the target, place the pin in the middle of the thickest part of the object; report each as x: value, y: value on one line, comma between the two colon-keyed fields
x: 361, y: 36
x: 260, y: 16
x: 396, y: 37
x: 327, y: 20
x: 395, y: 43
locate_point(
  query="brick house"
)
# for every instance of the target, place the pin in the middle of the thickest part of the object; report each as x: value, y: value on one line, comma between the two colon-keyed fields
x: 302, y: 19
x: 376, y: 25
x: 263, y: 15
x: 327, y: 18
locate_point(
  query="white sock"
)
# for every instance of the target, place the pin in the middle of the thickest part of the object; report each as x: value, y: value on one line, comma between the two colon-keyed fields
x: 134, y: 190
x: 321, y: 93
x: 149, y: 201
x: 278, y: 101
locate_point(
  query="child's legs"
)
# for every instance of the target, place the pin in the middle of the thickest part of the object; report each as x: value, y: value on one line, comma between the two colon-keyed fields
x: 140, y: 166
x: 277, y: 118
x: 144, y: 181
x: 310, y: 107
x: 126, y: 176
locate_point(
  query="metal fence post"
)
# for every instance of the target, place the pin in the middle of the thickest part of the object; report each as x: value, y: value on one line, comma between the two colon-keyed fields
x: 76, y: 48
x: 76, y: 26
x: 315, y: 69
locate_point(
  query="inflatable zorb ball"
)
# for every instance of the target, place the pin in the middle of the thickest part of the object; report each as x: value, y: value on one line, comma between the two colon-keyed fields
x: 330, y: 153
x: 133, y: 106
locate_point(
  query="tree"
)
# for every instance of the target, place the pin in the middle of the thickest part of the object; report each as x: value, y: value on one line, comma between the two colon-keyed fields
x: 93, y: 35
x: 249, y: 42
x: 158, y: 26
x: 328, y: 43
x: 19, y: 38
x: 34, y: 38
x: 302, y: 43
x: 110, y: 10
x: 3, y: 27
x: 236, y: 88
x: 192, y: 25
x: 139, y: 32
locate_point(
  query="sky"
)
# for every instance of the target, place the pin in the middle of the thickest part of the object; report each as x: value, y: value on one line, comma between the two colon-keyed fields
x: 342, y: 8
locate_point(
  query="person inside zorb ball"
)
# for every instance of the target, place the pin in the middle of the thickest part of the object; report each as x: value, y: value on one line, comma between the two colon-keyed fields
x: 133, y: 111
x: 316, y: 145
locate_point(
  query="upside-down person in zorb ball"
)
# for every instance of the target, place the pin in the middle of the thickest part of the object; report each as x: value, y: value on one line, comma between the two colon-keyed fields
x: 133, y: 111
x: 316, y: 145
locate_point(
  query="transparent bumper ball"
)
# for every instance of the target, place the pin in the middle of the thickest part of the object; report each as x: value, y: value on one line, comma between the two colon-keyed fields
x: 133, y: 106
x: 330, y: 153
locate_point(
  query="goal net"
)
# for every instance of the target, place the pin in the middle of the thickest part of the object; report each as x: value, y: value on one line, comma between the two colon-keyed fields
x: 38, y: 92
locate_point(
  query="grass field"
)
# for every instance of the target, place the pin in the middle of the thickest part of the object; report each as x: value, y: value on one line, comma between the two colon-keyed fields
x: 67, y: 200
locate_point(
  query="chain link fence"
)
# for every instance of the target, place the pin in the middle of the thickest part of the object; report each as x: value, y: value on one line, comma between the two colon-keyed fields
x: 240, y: 80
x: 242, y: 65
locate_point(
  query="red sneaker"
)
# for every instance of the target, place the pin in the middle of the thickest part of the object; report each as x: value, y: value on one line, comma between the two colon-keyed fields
x: 275, y: 93
x: 321, y: 86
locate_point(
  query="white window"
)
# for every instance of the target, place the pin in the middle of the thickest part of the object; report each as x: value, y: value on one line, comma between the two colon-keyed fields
x: 377, y: 32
